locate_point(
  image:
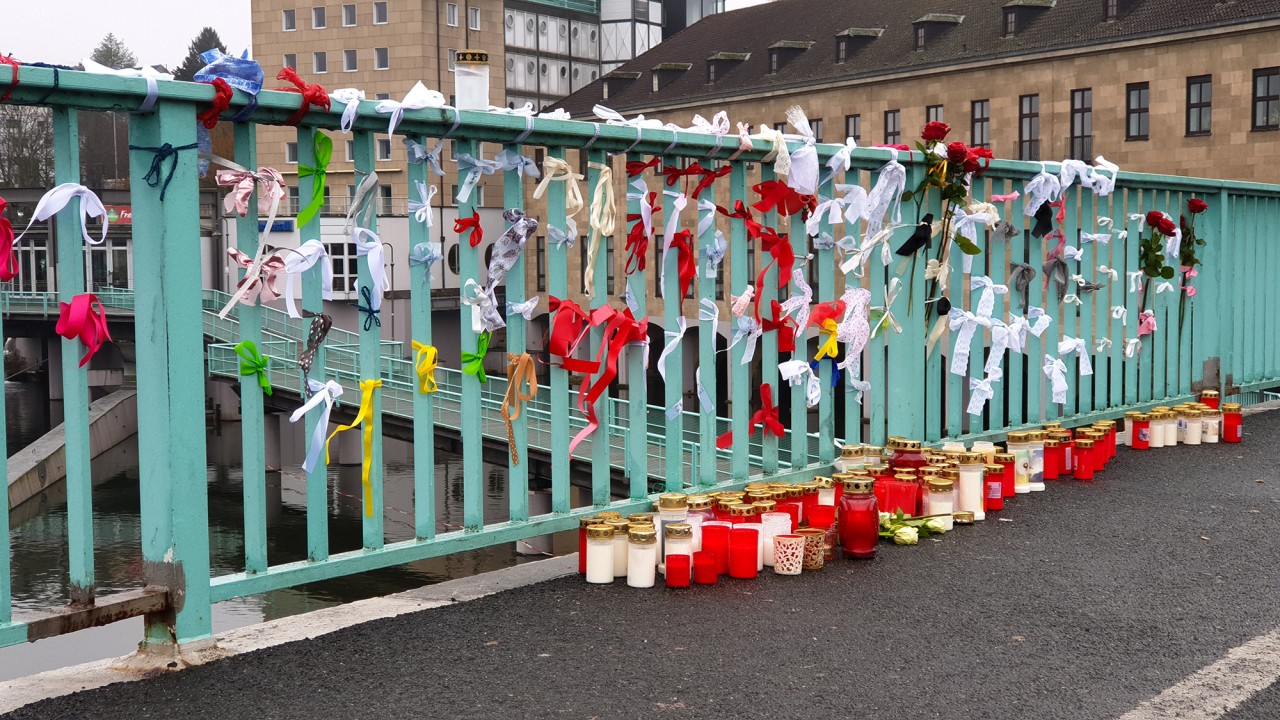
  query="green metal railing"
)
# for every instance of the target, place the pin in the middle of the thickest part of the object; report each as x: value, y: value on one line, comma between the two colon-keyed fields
x: 1218, y: 343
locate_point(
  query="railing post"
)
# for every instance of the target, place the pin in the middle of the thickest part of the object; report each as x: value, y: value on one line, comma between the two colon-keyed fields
x: 171, y: 434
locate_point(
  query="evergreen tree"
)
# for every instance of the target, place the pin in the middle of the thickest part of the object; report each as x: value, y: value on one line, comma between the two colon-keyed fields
x: 206, y: 39
x: 113, y: 53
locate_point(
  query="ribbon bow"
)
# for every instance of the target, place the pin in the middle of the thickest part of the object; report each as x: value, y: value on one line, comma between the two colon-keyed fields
x: 471, y: 225
x: 767, y: 416
x: 1132, y: 346
x: 804, y: 161
x: 1104, y: 344
x: 524, y: 309
x: 601, y: 219
x: 366, y: 419
x: 1146, y: 323
x: 304, y: 258
x: 779, y: 155
x: 426, y: 253
x: 1020, y: 277
x: 965, y: 323
x: 782, y: 197
x: 509, y: 159
x: 557, y: 170
x: 980, y: 391
x: 686, y: 261
x: 259, y: 281
x: 741, y: 302
x: 887, y: 319
x: 987, y: 302
x: 417, y: 154
x: 1120, y: 312
x: 1035, y: 322
x: 522, y: 386
x: 320, y: 326
x: 8, y: 261
x: 84, y: 318
x: 311, y: 95
x: 242, y: 184
x: 885, y: 197
x: 424, y: 363
x: 798, y: 303
x: 473, y: 362
x: 1100, y: 238
x: 1056, y: 371
x: 747, y: 328
x: 373, y: 250
x: 636, y: 168
x: 799, y: 372
x: 361, y: 201
x: 57, y: 198
x: 1135, y: 281
x: 1069, y: 345
x: 1039, y: 190
x: 474, y: 168
x: 253, y: 363
x: 156, y: 175
x: 485, y: 316
x: 1109, y: 272
x: 323, y: 152
x: 421, y: 208
x: 326, y: 393
x: 829, y: 348
x: 621, y: 329
x: 417, y: 98
x: 350, y: 99
x: 371, y: 317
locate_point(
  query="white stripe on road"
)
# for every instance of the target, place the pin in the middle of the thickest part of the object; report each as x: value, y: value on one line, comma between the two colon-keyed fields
x: 1217, y: 689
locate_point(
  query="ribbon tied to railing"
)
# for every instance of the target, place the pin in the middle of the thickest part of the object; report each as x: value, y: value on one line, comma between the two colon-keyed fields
x: 57, y: 198
x: 804, y: 161
x: 569, y: 325
x: 1056, y: 371
x: 426, y: 254
x: 371, y: 313
x: 417, y: 98
x: 964, y: 323
x: 798, y: 304
x: 799, y: 372
x: 473, y: 362
x: 829, y: 347
x: 372, y: 249
x: 320, y: 326
x: 601, y: 218
x: 84, y: 318
x: 855, y: 329
x: 470, y: 225
x: 311, y: 95
x: 350, y: 99
x: 885, y: 198
x: 621, y: 329
x: 252, y: 363
x: 319, y: 172
x: 557, y: 170
x: 1146, y: 323
x: 321, y: 394
x: 1041, y: 189
x: 986, y: 301
x: 980, y: 391
x: 746, y: 328
x: 777, y: 195
x: 304, y: 258
x: 523, y: 309
x: 474, y: 167
x: 1035, y: 322
x: 268, y: 181
x: 222, y: 95
x: 417, y: 154
x: 778, y: 154
x: 8, y: 260
x: 781, y: 323
x: 510, y: 159
x: 361, y: 201
x: 485, y: 316
x: 421, y: 208
x: 686, y: 262
x: 1109, y: 272
x: 522, y: 386
x: 509, y: 246
x: 1019, y: 279
x: 259, y: 282
x: 767, y: 416
x: 886, y: 318
x: 424, y: 363
x: 1078, y: 346
x: 365, y: 419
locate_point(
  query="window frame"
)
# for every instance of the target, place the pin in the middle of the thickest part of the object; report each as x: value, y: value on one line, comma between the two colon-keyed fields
x: 540, y: 266
x: 451, y: 14
x: 815, y: 124
x: 842, y: 50
x: 1258, y: 73
x: 354, y: 15
x: 378, y: 146
x: 344, y: 281
x: 711, y: 73
x: 1010, y: 23
x: 931, y: 116
x: 323, y: 16
x: 323, y: 57
x: 1139, y: 113
x: 893, y: 137
x: 350, y: 146
x: 920, y: 38
x: 286, y: 63
x: 291, y: 151
x: 1110, y: 10
x: 289, y: 20
x: 350, y: 60
x: 473, y: 19
x: 452, y: 55
x: 386, y: 13
x: 1206, y: 119
x: 381, y: 58
x: 1081, y: 142
x: 980, y: 125
x: 855, y: 131
x: 774, y: 63
x: 1029, y: 127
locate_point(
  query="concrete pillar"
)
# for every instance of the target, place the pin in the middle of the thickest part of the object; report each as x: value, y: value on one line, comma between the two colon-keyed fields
x: 224, y: 400
x: 54, y: 359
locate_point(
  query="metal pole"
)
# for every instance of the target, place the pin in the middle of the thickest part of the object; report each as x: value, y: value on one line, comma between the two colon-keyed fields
x: 393, y: 288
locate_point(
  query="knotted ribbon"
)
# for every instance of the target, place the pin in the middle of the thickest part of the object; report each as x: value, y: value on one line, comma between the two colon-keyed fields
x: 361, y: 201
x: 621, y: 329
x: 1069, y: 345
x: 964, y: 323
x: 417, y: 155
x: 1109, y: 272
x: 321, y: 393
x: 485, y: 316
x: 366, y: 419
x: 473, y: 362
x: 470, y: 225
x: 524, y: 309
x: 372, y: 249
x: 421, y: 208
x: 86, y: 319
x: 57, y: 198
x: 522, y: 386
x: 798, y: 304
x: 798, y: 372
x: 311, y: 95
x: 1056, y: 371
x: 350, y: 99
x: 1132, y: 346
x: 601, y: 219
x: 301, y: 260
x: 1146, y: 323
x: 424, y: 362
x: 569, y: 326
x: 156, y: 175
x: 319, y: 171
x: 980, y: 391
x: 253, y: 363
x: 1121, y: 313
x: 777, y: 195
x: 474, y: 167
x: 1035, y: 322
x: 259, y: 281
x: 371, y: 316
x: 767, y: 416
x: 557, y: 170
x: 8, y: 261
x: 417, y: 98
x: 749, y: 329
x: 887, y: 319
x: 1039, y: 190
x: 426, y: 254
x: 779, y: 155
x: 509, y: 159
x: 509, y: 246
x: 804, y: 161
x: 829, y: 347
x: 320, y: 326
x: 686, y: 261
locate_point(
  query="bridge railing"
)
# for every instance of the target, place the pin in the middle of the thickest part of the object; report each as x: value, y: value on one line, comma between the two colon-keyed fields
x: 1224, y: 339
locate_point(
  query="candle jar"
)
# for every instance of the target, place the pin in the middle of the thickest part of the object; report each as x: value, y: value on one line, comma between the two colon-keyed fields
x: 620, y: 529
x: 1210, y: 419
x: 774, y: 524
x: 1008, y: 461
x: 939, y: 500
x: 898, y: 492
x: 672, y: 508
x: 907, y: 453
x: 837, y: 481
x: 679, y: 570
x: 1035, y: 470
x: 701, y: 505
x: 679, y: 540
x: 859, y: 518
x: 815, y: 553
x: 642, y: 556
x: 471, y: 80
x: 1052, y: 458
x: 826, y: 491
x: 1180, y: 420
x: 788, y: 554
x: 1066, y: 445
x: 988, y: 450
x: 1140, y: 431
x: 1195, y: 427
x: 969, y: 491
x: 742, y: 514
x: 1168, y: 426
x: 993, y: 487
x: 599, y: 554
x: 1082, y: 462
x: 705, y: 568
x: 720, y: 507
x: 793, y: 504
x: 583, y: 524
x: 1155, y: 425
x: 715, y: 540
x: 1108, y: 427
x: 1127, y: 436
x: 1210, y: 398
x: 1020, y: 448
x: 850, y: 457
x: 1232, y: 423
x: 743, y: 544
x: 809, y: 495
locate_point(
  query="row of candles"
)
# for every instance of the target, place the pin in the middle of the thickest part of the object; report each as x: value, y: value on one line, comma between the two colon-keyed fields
x: 801, y: 526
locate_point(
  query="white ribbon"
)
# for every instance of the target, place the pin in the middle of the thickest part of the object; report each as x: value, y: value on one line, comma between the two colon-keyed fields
x: 1135, y: 281
x: 709, y: 312
x: 417, y: 154
x: 484, y: 316
x: 890, y: 294
x: 1071, y: 169
x: 525, y: 308
x: 799, y: 301
x: 601, y: 218
x: 860, y: 387
x: 1035, y: 322
x: 421, y: 208
x: 1132, y: 346
x: 1040, y: 189
x: 1071, y: 299
x: 1101, y: 238
x: 747, y: 328
x: 640, y: 194
x: 854, y: 329
x: 350, y: 98
x: 1056, y: 371
x: 886, y: 196
x: 987, y: 301
x: 510, y: 159
x: 1164, y: 287
x: 713, y: 253
x: 1119, y: 312
x: 796, y: 372
x: 779, y: 155
x: 964, y: 323
x: 980, y: 391
x: 1069, y: 345
x: 372, y: 248
x: 365, y: 192
x: 554, y: 169
x: 1001, y: 337
x: 673, y: 341
x: 1142, y: 221
x: 57, y: 198
x: 150, y: 74
x: 613, y: 117
x: 1103, y: 185
x: 804, y: 161
x: 417, y: 98
x: 304, y: 258
x: 704, y: 399
x: 1104, y: 345
x: 322, y: 393
x: 829, y: 210
x: 841, y: 161
x: 474, y: 167
x: 1109, y: 272
x: 966, y: 224
x: 855, y: 203
x: 1072, y: 253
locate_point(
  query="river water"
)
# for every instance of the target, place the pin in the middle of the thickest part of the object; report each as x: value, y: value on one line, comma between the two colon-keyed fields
x: 39, y: 527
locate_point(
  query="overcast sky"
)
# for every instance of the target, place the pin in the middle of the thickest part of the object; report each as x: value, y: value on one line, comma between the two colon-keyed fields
x: 158, y: 31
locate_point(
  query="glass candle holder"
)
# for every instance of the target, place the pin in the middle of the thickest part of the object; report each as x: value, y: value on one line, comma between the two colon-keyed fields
x: 1194, y: 432
x: 620, y: 545
x: 471, y: 80
x: 1212, y: 421
x: 1008, y: 484
x: 679, y: 540
x: 1083, y: 460
x: 1052, y: 458
x: 1020, y: 448
x: 583, y: 524
x: 859, y: 523
x: 822, y: 516
x: 939, y: 500
x: 988, y: 450
x: 1210, y: 398
x: 1232, y: 423
x: 1140, y: 432
x: 826, y: 491
x: 906, y: 453
x: 774, y: 524
x: 642, y: 556
x: 599, y: 554
x: 969, y: 492
x: 715, y: 539
x: 788, y: 555
x: 1126, y: 437
x: 1066, y: 446
x: 993, y: 487
x: 814, y: 547
x: 743, y: 546
x: 679, y: 570
x: 705, y: 567
x: 1035, y: 441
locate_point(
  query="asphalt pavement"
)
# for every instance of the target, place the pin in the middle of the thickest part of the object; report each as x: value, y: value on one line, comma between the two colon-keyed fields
x: 1079, y: 602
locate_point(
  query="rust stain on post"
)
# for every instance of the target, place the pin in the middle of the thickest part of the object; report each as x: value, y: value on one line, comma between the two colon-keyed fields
x: 109, y: 609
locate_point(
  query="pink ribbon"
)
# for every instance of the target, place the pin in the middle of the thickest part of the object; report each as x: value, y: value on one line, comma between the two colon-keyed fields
x: 260, y: 284
x: 1146, y: 323
x: 242, y: 184
x: 86, y: 319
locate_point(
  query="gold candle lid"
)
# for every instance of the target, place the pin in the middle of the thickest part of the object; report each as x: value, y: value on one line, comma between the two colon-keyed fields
x: 1018, y: 436
x: 758, y: 495
x: 609, y: 515
x: 1035, y: 436
x: 839, y: 478
x: 1231, y: 407
x: 1208, y: 393
x: 949, y: 474
x: 620, y: 526
x: 904, y: 477
x: 1005, y: 457
x: 1084, y: 443
x: 646, y: 517
x: 677, y: 531
x: 878, y: 469
x: 808, y: 488
x: 599, y: 531
x: 643, y: 535
x: 1193, y: 414
x: 699, y: 502
x: 963, y: 517
x: 673, y: 501
x: 859, y: 485
x: 764, y: 506
x: 1052, y: 442
x: 939, y: 485
x: 893, y: 441
x: 824, y: 483
x: 1062, y: 436
x: 993, y: 469
x: 973, y: 458
x: 1051, y: 426
x: 851, y: 452
x: 860, y: 472
x: 872, y: 451
x: 588, y: 521
x: 1131, y: 414
x: 742, y: 510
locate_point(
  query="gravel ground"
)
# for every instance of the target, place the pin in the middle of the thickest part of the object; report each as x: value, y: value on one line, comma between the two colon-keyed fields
x: 1091, y: 599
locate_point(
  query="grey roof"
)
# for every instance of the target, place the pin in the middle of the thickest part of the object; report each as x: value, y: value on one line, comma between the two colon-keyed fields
x: 753, y: 30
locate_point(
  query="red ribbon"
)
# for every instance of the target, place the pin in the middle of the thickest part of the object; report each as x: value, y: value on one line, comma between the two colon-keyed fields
x: 568, y: 327
x: 221, y: 101
x: 80, y: 319
x: 686, y: 261
x: 637, y: 238
x: 621, y: 328
x: 1061, y: 204
x: 311, y: 94
x: 472, y: 223
x: 784, y: 325
x: 13, y: 80
x: 635, y: 168
x: 767, y: 415
x: 708, y: 177
x: 740, y: 212
x: 784, y: 257
x: 8, y: 261
x: 822, y: 312
x: 672, y: 174
x: 775, y: 194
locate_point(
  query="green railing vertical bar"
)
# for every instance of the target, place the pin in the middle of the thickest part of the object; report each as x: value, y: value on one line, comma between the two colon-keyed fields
x: 517, y: 327
x: 668, y: 287
x: 1090, y: 259
x: 313, y: 301
x: 471, y: 425
x: 1219, y: 279
x: 938, y: 364
x: 739, y: 374
x: 557, y: 287
x: 373, y: 519
x: 1102, y: 308
x: 1160, y: 338
x: 998, y: 271
x: 1255, y: 284
x: 424, y: 437
x: 877, y: 365
x: 1117, y: 288
x: 637, y: 443
x: 768, y: 350
x: 982, y: 336
x: 1037, y: 347
x: 798, y: 452
x: 252, y: 433
x: 600, y: 441
x: 707, y: 331
x: 174, y: 504
x: 1133, y: 392
x: 75, y: 379
x: 1019, y: 363
x: 1182, y: 320
x: 826, y: 292
x: 852, y: 431
x: 1068, y: 312
x: 910, y: 377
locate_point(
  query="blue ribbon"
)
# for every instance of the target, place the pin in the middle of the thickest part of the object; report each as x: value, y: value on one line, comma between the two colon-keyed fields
x: 426, y: 253
x: 512, y: 160
x: 560, y: 237
x: 824, y: 242
x: 835, y: 370
x: 371, y: 317
x: 418, y: 154
x: 474, y: 168
x: 160, y: 154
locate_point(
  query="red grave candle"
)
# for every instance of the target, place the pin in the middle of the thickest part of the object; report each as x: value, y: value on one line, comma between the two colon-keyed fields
x: 1210, y: 398
x: 582, y: 542
x: 1052, y: 459
x: 743, y: 547
x: 1082, y: 460
x: 1066, y: 446
x: 822, y: 516
x: 1006, y: 460
x: 1232, y: 423
x: 706, y: 566
x: 715, y: 540
x: 1140, y: 431
x: 859, y: 525
x: 678, y: 570
x: 993, y: 487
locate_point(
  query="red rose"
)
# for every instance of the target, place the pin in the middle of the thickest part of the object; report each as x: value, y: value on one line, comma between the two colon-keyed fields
x: 935, y: 131
x: 1154, y: 217
x: 1166, y: 227
x: 1197, y: 206
x: 957, y: 152
x: 972, y: 164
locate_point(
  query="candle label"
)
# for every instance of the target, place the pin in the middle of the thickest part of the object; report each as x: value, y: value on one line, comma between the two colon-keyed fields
x: 1144, y: 434
x: 994, y: 491
x: 1066, y: 453
x: 1036, y: 465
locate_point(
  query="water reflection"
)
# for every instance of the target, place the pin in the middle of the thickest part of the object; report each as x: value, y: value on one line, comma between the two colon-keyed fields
x: 26, y: 413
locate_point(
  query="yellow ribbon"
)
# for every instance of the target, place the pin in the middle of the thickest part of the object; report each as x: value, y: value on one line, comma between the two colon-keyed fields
x: 366, y: 413
x: 829, y: 347
x: 425, y: 364
x: 601, y: 219
x: 520, y: 374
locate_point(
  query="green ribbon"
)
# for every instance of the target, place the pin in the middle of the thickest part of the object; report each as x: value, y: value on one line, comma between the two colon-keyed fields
x: 474, y: 362
x: 253, y: 363
x: 323, y: 151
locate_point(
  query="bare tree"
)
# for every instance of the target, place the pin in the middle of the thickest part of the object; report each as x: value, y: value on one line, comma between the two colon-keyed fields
x: 26, y: 146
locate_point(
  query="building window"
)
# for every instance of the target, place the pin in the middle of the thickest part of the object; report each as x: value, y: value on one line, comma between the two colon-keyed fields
x: 1110, y: 9
x: 473, y: 18
x: 980, y: 115
x: 1029, y: 127
x: 380, y: 13
x: 853, y: 127
x: 291, y: 60
x: 384, y: 149
x: 608, y: 266
x: 477, y: 195
x: 540, y: 269
x: 1200, y: 105
x: 451, y: 14
x: 920, y: 37
x: 657, y: 263
x: 349, y: 61
x: 1137, y: 111
x: 453, y: 60
x: 382, y: 96
x: 773, y: 62
x: 319, y: 63
x: 317, y: 18
x: 816, y: 126
x: 933, y: 113
x: 384, y: 195
x: 582, y: 263
x: 348, y: 15
x: 351, y: 150
x: 892, y: 128
x: 1010, y: 23
x: 291, y: 205
x: 780, y: 127
x: 1082, y: 123
x: 711, y: 72
x: 291, y: 153
x: 842, y: 49
x: 289, y: 20
x: 342, y: 256
x: 1266, y: 99
x: 381, y: 59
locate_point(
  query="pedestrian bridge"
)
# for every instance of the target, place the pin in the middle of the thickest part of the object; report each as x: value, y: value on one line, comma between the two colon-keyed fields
x: 910, y: 390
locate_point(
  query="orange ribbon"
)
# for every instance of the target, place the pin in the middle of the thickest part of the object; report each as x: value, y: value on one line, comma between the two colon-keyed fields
x: 520, y: 375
